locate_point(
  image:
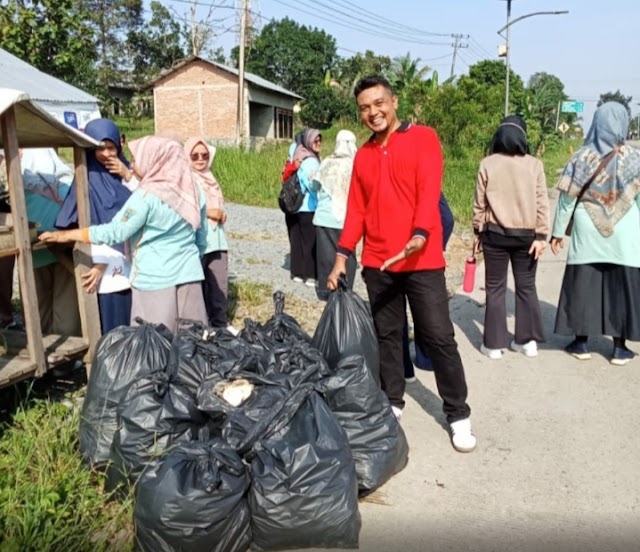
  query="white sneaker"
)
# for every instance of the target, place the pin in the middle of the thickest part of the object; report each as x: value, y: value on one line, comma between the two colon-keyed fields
x: 462, y: 437
x: 397, y: 412
x: 412, y: 379
x: 297, y: 279
x: 529, y: 349
x: 493, y: 354
x: 310, y: 282
x: 232, y: 330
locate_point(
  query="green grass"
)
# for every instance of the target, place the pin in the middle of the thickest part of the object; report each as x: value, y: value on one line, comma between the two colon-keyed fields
x: 48, y: 500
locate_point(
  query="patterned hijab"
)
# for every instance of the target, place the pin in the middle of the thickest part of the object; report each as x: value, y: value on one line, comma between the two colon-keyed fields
x: 334, y: 173
x: 205, y: 178
x: 614, y: 191
x: 164, y: 172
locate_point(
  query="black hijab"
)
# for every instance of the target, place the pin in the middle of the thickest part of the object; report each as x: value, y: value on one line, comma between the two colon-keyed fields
x: 511, y: 137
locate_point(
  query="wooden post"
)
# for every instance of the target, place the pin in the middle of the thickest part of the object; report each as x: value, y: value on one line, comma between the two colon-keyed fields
x: 87, y: 302
x: 23, y: 242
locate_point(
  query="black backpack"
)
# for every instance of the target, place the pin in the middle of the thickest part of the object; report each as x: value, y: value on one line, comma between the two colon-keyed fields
x: 291, y: 195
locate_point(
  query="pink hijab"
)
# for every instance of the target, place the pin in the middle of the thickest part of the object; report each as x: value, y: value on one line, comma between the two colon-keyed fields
x: 165, y: 173
x: 207, y: 181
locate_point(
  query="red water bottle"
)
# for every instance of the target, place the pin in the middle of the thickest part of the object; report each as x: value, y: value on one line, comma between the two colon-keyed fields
x: 469, y: 274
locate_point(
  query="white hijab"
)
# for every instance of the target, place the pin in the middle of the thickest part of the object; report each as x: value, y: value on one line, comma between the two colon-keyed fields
x: 334, y: 173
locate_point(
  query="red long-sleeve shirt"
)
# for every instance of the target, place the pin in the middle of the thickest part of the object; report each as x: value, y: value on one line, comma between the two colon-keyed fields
x: 394, y: 195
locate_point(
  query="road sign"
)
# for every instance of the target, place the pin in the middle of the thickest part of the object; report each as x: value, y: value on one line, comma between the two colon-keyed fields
x: 564, y: 127
x: 572, y: 107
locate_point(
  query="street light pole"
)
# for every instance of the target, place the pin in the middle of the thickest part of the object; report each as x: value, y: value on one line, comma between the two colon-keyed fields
x: 506, y: 95
x: 507, y: 27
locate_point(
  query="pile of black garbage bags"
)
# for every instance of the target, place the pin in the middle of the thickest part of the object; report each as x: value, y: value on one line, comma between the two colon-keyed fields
x: 264, y: 440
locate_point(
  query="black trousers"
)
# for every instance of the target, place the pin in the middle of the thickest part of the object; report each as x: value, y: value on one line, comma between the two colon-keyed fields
x: 426, y: 292
x: 327, y: 246
x: 302, y: 238
x: 528, y: 314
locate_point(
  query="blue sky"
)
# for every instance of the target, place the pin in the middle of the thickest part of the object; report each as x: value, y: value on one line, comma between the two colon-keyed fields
x: 593, y: 49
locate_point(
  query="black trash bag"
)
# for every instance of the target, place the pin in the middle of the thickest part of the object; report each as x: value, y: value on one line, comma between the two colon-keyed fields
x: 254, y: 334
x: 122, y: 355
x: 197, y: 353
x: 304, y: 492
x: 193, y: 499
x: 281, y: 327
x: 346, y: 328
x: 239, y: 421
x: 294, y: 363
x: 155, y: 414
x: 378, y: 443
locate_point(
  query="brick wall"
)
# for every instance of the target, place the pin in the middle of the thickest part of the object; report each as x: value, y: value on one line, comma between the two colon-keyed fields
x: 196, y: 99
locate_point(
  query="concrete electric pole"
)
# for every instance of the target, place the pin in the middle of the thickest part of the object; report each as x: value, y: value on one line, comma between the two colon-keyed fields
x: 456, y: 45
x: 243, y: 38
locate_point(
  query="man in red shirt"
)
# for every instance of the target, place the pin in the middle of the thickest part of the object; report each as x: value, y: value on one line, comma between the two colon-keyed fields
x: 393, y: 204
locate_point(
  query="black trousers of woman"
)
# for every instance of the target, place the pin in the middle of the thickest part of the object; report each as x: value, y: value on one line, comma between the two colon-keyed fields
x: 528, y: 314
x: 302, y: 238
x: 327, y: 246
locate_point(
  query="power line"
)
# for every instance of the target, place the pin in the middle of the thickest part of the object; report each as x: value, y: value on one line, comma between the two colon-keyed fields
x: 363, y: 29
x: 387, y: 22
x: 481, y: 48
x: 478, y: 53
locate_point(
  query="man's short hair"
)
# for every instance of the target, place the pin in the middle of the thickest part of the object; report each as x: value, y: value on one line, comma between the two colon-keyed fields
x: 369, y: 82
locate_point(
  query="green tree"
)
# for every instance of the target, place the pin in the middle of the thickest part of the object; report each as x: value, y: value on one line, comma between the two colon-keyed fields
x: 52, y: 36
x: 292, y: 55
x: 325, y: 104
x: 616, y: 96
x: 542, y: 99
x: 157, y: 45
x: 350, y: 70
x: 492, y: 73
x: 113, y: 21
x: 411, y: 85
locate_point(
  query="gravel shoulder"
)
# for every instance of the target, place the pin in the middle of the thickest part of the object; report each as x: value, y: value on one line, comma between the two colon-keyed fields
x: 259, y: 252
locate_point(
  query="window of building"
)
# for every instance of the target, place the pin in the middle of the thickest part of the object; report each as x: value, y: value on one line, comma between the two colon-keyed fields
x: 284, y: 123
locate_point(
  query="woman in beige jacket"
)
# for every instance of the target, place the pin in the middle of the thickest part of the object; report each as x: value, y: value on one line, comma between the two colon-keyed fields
x: 511, y: 223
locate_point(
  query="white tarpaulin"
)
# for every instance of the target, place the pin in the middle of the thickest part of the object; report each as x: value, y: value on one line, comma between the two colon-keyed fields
x: 66, y: 103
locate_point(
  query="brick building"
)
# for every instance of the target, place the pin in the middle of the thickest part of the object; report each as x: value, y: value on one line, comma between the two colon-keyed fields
x: 197, y: 96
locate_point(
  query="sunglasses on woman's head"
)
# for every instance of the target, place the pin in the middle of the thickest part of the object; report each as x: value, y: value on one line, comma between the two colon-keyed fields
x: 196, y: 156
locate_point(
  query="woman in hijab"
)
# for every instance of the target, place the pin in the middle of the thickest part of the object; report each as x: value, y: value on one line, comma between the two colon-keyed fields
x: 302, y: 232
x: 165, y: 220
x: 215, y: 260
x: 47, y: 181
x: 331, y: 182
x: 511, y: 223
x: 109, y: 181
x: 601, y: 286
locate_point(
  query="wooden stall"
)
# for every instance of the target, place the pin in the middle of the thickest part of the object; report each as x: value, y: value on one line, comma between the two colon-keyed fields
x: 29, y: 353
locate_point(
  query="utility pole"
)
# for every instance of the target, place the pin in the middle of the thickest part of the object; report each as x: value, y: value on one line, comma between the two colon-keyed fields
x: 243, y: 35
x: 456, y: 45
x: 506, y: 96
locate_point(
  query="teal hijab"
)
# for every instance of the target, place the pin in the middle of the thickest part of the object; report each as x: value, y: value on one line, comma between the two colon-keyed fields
x: 614, y: 191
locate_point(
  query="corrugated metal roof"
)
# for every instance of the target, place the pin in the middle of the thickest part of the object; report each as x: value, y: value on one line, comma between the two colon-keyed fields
x: 19, y: 75
x: 249, y: 77
x: 255, y: 79
x: 35, y: 128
